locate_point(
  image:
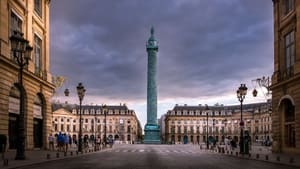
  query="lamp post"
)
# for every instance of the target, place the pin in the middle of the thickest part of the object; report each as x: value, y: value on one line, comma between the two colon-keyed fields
x: 225, y: 129
x: 80, y: 92
x: 241, y: 93
x: 207, y: 144
x: 213, y: 132
x: 95, y: 138
x: 21, y: 52
x: 104, y: 108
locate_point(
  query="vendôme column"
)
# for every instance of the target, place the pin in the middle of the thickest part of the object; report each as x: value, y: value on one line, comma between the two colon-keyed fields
x: 152, y: 130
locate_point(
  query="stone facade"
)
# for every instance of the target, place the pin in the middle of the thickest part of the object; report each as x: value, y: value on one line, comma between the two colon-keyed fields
x: 32, y: 18
x: 188, y: 124
x: 121, y: 123
x: 286, y: 77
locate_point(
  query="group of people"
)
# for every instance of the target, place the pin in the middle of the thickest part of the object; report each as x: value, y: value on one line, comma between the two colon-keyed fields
x: 230, y: 142
x: 63, y: 141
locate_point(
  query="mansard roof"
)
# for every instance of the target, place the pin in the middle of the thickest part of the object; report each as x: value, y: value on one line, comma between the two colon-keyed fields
x: 251, y: 108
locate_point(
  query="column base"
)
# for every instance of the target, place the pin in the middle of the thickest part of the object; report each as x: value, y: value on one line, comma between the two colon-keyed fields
x: 152, y: 134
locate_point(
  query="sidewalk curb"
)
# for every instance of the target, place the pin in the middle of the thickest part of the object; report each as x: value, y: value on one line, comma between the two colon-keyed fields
x: 248, y: 158
x: 53, y: 159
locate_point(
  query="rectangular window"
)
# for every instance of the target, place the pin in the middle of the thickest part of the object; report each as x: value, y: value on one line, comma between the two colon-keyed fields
x: 204, y: 130
x: 289, y: 6
x: 74, y: 128
x: 55, y: 127
x: 61, y: 127
x: 173, y: 129
x: 37, y: 54
x: 178, y: 129
x: 128, y: 129
x: 38, y: 7
x: 289, y: 46
x: 15, y: 23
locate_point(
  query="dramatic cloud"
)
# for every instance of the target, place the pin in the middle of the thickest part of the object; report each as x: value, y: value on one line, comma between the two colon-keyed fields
x: 206, y: 48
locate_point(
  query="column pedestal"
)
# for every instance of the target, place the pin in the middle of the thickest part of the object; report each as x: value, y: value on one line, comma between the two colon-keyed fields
x: 152, y: 134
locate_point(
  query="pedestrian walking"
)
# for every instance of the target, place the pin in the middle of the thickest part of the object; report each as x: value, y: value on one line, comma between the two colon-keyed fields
x: 60, y: 142
x: 98, y: 142
x: 51, y: 142
x: 66, y: 142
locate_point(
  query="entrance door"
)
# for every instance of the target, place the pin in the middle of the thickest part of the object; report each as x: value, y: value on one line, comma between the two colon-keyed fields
x: 13, y: 130
x: 172, y: 139
x: 38, y: 132
x: 185, y: 139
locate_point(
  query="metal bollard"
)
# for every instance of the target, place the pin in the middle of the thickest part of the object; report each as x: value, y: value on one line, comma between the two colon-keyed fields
x: 65, y: 153
x: 71, y: 153
x: 237, y: 153
x: 278, y: 158
x: 249, y: 155
x: 231, y: 152
x: 57, y: 155
x: 48, y: 156
x: 267, y: 157
x: 257, y: 156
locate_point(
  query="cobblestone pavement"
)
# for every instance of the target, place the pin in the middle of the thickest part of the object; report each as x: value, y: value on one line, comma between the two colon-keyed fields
x: 158, y: 157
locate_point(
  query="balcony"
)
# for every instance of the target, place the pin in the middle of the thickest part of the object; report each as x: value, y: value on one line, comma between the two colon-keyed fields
x: 284, y: 74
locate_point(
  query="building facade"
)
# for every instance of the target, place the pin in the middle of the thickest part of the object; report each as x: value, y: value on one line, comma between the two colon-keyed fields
x: 286, y: 77
x: 189, y: 124
x: 121, y: 123
x: 31, y: 17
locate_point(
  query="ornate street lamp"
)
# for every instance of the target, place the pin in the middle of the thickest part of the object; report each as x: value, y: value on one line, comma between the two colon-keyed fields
x: 22, y: 53
x: 207, y: 144
x: 95, y: 126
x: 104, y: 109
x: 241, y: 93
x: 262, y: 82
x: 80, y: 92
x: 213, y: 131
x: 67, y: 92
x: 225, y: 129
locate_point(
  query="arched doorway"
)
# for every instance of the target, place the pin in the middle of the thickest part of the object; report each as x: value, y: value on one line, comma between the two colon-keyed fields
x: 14, y: 113
x: 289, y: 123
x: 198, y: 139
x: 211, y: 139
x: 38, y: 122
x: 173, y: 139
x: 185, y: 139
x: 179, y: 139
x: 92, y: 137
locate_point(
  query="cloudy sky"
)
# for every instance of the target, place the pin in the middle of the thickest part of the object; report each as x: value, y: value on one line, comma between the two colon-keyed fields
x: 207, y: 48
